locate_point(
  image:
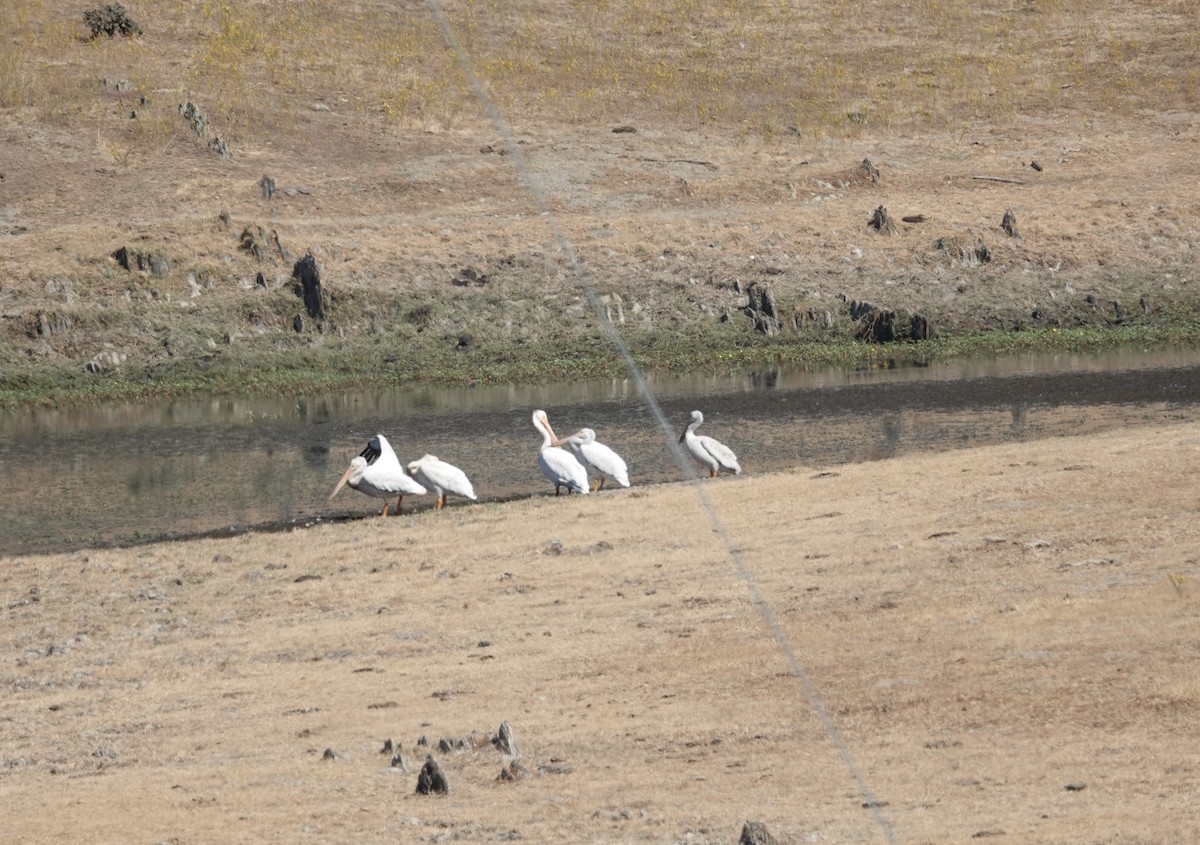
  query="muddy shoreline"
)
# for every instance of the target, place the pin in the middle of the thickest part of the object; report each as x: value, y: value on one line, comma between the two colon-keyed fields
x: 267, y: 470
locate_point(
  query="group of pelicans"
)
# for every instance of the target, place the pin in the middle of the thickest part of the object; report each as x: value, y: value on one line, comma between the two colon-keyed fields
x: 571, y: 463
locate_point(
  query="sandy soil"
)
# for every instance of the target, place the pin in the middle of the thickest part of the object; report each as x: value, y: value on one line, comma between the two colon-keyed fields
x: 996, y: 643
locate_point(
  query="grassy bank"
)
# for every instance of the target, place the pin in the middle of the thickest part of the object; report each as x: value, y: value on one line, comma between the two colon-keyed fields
x: 691, y: 154
x: 316, y: 370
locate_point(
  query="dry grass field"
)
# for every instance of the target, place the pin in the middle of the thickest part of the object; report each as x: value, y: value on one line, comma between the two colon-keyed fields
x: 994, y: 644
x: 999, y: 642
x: 749, y: 125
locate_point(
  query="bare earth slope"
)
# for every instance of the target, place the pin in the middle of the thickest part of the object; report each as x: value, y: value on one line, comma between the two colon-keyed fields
x: 1003, y: 638
x: 686, y: 151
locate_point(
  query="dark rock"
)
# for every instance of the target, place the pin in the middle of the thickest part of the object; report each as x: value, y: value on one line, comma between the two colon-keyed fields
x: 466, y: 341
x: 430, y: 780
x: 122, y: 257
x: 624, y: 129
x: 260, y: 280
x: 388, y: 747
x: 298, y: 324
x: 399, y: 761
x: 267, y: 185
x: 871, y: 171
x: 756, y: 833
x: 329, y: 755
x: 308, y: 275
x: 1034, y: 164
x: 919, y: 327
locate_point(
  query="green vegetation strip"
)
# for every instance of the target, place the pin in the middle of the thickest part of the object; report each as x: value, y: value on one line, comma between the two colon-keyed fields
x: 314, y: 371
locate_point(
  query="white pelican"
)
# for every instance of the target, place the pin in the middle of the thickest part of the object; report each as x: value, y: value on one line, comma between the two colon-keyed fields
x: 598, y: 459
x: 444, y: 478
x: 377, y: 472
x: 557, y: 463
x: 710, y: 453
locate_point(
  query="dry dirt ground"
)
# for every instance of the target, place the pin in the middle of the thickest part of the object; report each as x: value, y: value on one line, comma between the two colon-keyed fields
x: 992, y: 644
x: 675, y: 221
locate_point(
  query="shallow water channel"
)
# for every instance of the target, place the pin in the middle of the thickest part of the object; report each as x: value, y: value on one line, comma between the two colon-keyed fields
x: 132, y: 472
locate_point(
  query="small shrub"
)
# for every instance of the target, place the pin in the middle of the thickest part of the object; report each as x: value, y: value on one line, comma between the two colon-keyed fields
x: 111, y: 20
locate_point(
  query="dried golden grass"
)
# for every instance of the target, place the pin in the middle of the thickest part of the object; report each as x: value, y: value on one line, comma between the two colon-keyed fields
x: 985, y: 627
x: 830, y: 68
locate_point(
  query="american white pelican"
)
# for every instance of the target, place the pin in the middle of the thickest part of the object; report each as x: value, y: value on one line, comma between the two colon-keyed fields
x: 444, y: 478
x: 708, y: 452
x: 557, y: 463
x: 598, y: 459
x: 377, y: 472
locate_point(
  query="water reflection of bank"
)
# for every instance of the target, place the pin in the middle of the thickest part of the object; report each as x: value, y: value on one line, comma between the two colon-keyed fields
x: 97, y: 475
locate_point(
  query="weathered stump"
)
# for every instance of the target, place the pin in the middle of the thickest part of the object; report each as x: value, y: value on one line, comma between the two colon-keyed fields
x: 430, y: 780
x: 881, y: 222
x: 762, y: 310
x: 1009, y: 224
x: 267, y: 184
x: 309, y: 278
x: 755, y: 833
x: 505, y: 741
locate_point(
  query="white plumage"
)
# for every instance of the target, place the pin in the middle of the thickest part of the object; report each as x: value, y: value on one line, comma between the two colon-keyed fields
x: 598, y: 459
x: 377, y: 472
x: 558, y: 465
x: 707, y: 451
x: 444, y: 478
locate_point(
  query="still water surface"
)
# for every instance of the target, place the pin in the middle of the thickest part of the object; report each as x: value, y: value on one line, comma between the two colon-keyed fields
x: 117, y: 473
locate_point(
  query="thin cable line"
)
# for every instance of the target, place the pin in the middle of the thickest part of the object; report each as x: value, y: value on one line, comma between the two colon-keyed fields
x: 745, y: 574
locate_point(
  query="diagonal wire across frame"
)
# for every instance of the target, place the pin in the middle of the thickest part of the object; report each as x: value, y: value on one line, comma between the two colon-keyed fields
x: 744, y: 573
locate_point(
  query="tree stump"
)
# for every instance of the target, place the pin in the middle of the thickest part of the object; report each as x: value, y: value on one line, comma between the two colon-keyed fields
x: 505, y: 741
x: 309, y: 277
x: 1009, y: 224
x: 430, y: 780
x: 881, y: 222
x: 761, y: 309
x: 267, y: 184
x: 755, y: 833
